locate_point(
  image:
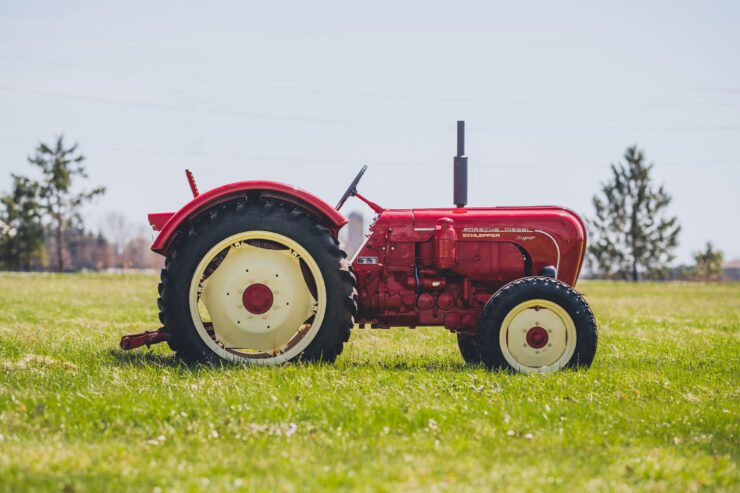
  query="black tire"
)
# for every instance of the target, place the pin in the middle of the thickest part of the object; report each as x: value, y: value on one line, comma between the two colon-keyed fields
x: 516, y: 292
x: 469, y: 349
x: 268, y: 215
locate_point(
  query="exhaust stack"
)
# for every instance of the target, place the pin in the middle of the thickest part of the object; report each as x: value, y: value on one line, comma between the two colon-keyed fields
x: 460, y: 191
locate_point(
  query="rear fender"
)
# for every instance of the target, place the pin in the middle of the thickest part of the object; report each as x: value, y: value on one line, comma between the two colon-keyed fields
x: 170, y: 225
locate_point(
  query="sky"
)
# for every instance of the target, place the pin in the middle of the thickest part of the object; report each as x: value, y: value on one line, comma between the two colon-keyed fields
x: 305, y: 93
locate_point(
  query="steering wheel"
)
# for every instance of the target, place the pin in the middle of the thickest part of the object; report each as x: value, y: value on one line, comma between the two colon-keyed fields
x: 352, y: 190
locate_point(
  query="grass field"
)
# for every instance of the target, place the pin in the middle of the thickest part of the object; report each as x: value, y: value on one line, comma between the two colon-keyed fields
x: 659, y: 410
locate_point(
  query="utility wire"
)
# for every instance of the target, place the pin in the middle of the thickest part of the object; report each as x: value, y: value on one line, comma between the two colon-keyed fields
x: 503, y: 129
x: 345, y: 162
x: 396, y: 96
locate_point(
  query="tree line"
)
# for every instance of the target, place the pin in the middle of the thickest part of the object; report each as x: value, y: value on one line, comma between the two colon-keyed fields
x: 41, y: 225
x: 631, y: 234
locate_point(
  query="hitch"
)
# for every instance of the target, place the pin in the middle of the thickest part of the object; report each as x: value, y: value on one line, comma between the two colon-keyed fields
x: 132, y: 341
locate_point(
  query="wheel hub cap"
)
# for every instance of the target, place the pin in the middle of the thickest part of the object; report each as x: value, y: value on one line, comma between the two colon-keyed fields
x: 537, y: 337
x: 257, y: 298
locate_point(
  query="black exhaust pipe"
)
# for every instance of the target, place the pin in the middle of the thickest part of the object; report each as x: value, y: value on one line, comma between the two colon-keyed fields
x: 461, y: 168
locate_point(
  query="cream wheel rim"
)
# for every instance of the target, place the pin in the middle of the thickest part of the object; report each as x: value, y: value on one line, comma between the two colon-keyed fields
x: 250, y: 298
x: 537, y: 336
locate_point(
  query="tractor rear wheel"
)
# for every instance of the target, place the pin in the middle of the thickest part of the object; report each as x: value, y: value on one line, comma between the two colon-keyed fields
x: 536, y: 325
x: 257, y: 282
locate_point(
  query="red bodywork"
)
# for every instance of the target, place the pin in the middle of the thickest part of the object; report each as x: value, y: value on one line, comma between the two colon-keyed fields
x: 440, y: 266
x: 168, y: 224
x: 419, y: 267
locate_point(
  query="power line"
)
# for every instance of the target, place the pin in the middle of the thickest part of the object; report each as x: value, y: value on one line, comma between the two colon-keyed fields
x: 81, y: 97
x: 401, y: 96
x: 502, y: 129
x: 378, y: 163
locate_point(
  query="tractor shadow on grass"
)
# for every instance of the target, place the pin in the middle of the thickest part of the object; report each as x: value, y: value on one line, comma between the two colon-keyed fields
x: 117, y: 357
x: 429, y: 365
x: 149, y: 359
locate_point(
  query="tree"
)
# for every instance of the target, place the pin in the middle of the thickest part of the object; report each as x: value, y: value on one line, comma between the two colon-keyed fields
x: 103, y: 255
x: 83, y: 250
x: 708, y: 263
x: 631, y: 233
x: 60, y: 167
x: 21, y: 231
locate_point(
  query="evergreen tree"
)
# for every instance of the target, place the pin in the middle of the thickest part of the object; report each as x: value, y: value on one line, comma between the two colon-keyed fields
x: 708, y: 263
x: 21, y: 231
x: 630, y: 231
x: 60, y: 167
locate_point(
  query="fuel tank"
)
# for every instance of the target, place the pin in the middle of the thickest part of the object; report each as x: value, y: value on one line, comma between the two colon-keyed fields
x: 548, y: 236
x: 485, y: 240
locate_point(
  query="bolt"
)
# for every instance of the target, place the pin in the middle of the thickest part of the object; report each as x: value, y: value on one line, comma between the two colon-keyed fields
x: 549, y: 330
x: 524, y: 345
x: 536, y: 352
x: 264, y: 317
x: 549, y: 345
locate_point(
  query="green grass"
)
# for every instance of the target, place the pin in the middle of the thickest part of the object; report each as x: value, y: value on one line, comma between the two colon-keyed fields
x: 658, y: 410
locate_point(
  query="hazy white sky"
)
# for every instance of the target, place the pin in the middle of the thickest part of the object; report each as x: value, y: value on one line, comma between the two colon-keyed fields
x: 306, y: 92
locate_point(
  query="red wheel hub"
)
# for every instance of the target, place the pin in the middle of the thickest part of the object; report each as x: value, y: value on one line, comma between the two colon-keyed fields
x: 257, y: 298
x: 537, y: 337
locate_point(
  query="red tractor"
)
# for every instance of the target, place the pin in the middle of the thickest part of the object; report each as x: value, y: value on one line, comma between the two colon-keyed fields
x: 254, y: 273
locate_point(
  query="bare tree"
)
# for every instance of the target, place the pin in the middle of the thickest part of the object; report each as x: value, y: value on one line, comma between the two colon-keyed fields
x: 117, y: 230
x: 137, y: 255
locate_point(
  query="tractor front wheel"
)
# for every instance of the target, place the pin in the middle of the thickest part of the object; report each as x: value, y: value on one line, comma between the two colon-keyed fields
x: 257, y: 282
x: 469, y: 349
x: 536, y: 325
